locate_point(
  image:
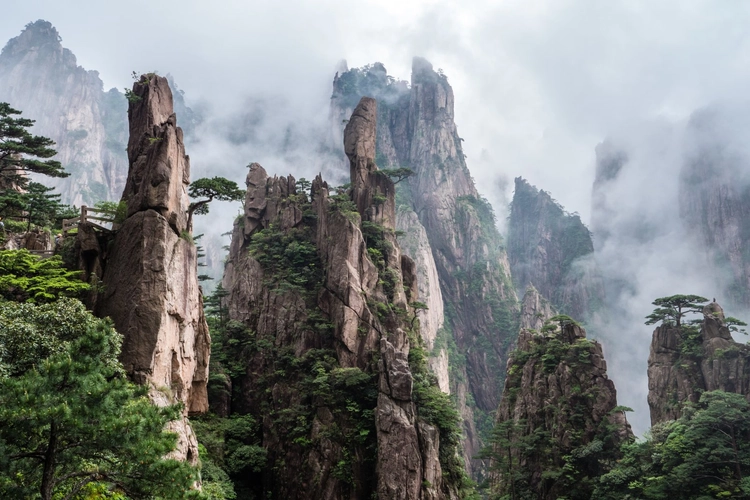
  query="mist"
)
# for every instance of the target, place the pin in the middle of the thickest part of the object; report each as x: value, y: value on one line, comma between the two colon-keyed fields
x: 538, y: 85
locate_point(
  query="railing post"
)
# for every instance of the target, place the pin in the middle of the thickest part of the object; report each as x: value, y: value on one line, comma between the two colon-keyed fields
x: 84, y: 209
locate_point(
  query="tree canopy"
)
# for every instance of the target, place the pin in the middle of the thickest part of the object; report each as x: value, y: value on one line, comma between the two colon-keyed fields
x: 74, y: 422
x: 28, y: 277
x: 671, y: 310
x: 73, y: 427
x: 22, y: 152
x: 703, y: 454
x: 215, y: 188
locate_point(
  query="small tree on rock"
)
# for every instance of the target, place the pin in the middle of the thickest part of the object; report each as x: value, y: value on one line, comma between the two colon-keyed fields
x: 670, y: 310
x: 215, y: 188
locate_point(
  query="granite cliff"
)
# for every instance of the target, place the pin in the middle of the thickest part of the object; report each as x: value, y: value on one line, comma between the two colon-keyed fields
x: 714, y: 197
x: 332, y: 365
x: 149, y: 269
x: 558, y: 425
x: 553, y: 251
x: 449, y: 231
x: 41, y: 78
x: 686, y: 361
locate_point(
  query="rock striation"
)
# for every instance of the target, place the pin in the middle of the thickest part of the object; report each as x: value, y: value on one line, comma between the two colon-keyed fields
x: 320, y: 283
x: 553, y: 251
x: 685, y: 362
x: 450, y: 234
x: 559, y: 409
x: 149, y: 275
x: 42, y: 79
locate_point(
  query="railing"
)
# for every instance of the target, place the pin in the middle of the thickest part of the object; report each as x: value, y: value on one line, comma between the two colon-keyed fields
x: 69, y: 224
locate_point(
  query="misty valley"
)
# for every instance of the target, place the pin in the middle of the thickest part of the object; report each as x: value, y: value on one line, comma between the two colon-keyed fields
x: 337, y: 309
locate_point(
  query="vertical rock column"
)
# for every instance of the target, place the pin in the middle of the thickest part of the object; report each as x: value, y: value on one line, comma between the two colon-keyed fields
x: 151, y: 286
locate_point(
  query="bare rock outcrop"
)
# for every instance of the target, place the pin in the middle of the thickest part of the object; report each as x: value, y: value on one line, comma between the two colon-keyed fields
x: 683, y: 363
x: 416, y: 129
x: 559, y: 410
x: 150, y: 281
x: 320, y: 282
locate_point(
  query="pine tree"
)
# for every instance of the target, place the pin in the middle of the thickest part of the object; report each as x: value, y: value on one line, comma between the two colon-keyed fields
x: 74, y: 424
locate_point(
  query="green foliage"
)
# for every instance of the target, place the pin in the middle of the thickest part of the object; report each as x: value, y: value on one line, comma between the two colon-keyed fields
x: 215, y: 188
x: 117, y: 211
x: 670, y: 310
x: 344, y: 205
x: 27, y: 277
x: 35, y: 204
x: 289, y: 259
x: 31, y: 333
x: 734, y: 325
x: 21, y: 152
x: 72, y: 423
x: 704, y: 454
x: 396, y: 174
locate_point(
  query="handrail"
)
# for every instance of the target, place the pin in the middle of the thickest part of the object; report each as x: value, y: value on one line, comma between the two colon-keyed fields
x: 84, y: 217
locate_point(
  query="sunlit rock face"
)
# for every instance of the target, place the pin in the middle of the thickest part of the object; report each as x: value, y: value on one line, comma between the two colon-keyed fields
x: 150, y: 280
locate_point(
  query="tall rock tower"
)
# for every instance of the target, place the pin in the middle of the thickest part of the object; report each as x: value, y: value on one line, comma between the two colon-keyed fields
x: 331, y: 358
x: 150, y: 280
x: 449, y: 231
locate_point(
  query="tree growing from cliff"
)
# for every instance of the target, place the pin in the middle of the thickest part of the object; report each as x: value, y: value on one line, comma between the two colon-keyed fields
x: 670, y: 310
x: 21, y: 152
x: 215, y: 188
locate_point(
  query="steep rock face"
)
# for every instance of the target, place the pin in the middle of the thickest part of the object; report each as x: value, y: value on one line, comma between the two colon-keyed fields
x: 416, y: 129
x: 715, y: 197
x: 41, y: 78
x: 557, y: 401
x: 553, y: 251
x: 683, y: 363
x: 415, y: 244
x: 320, y: 283
x: 150, y: 276
x: 535, y: 310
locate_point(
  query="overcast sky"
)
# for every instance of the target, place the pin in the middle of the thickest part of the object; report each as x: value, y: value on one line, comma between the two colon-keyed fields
x: 538, y: 83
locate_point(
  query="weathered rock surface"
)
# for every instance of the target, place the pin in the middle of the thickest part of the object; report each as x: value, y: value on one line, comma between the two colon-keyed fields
x: 557, y: 399
x: 416, y: 129
x: 352, y: 305
x: 553, y: 251
x: 150, y: 281
x: 682, y: 365
x: 715, y: 197
x: 41, y: 78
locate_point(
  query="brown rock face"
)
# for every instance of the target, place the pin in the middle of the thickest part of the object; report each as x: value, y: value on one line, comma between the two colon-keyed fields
x: 557, y: 387
x: 415, y: 128
x: 682, y: 365
x: 41, y: 78
x: 347, y: 306
x: 552, y: 251
x: 150, y: 275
